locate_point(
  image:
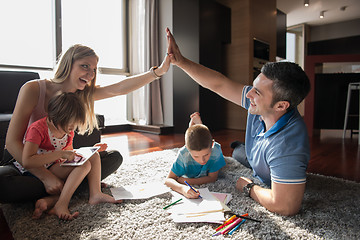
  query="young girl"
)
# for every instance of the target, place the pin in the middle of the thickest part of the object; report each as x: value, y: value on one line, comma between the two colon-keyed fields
x: 48, y: 142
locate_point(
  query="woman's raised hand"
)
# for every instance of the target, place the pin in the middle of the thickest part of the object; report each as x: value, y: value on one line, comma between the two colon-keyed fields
x: 164, y: 67
x: 173, y: 49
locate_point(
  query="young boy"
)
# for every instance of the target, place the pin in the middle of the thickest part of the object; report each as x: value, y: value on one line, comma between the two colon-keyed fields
x: 198, y: 162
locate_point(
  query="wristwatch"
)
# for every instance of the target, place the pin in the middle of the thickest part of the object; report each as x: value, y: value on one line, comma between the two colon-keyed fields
x: 247, y: 188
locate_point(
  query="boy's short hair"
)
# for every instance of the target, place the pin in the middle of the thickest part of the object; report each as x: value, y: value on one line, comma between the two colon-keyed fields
x: 66, y: 108
x: 198, y: 137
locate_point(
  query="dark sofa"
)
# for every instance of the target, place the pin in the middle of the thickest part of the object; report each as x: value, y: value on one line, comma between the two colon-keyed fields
x: 10, y: 84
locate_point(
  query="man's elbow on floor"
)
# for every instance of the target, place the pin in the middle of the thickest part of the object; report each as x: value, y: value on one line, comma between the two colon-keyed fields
x: 287, y: 210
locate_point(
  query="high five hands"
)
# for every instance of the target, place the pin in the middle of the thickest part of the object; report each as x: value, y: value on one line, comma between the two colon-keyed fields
x: 173, y: 50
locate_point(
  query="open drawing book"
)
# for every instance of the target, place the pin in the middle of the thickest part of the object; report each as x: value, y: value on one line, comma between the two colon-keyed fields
x: 208, y: 209
x: 84, y: 152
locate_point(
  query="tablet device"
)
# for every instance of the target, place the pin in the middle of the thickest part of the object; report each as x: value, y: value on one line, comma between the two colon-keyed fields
x: 84, y: 152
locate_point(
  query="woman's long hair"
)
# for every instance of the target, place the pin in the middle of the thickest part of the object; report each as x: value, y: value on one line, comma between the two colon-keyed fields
x: 74, y: 53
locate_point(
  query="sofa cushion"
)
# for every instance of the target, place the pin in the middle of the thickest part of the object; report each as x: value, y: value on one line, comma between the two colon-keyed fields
x: 11, y: 82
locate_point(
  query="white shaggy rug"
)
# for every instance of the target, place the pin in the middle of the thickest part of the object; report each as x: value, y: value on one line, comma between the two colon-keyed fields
x: 330, y: 210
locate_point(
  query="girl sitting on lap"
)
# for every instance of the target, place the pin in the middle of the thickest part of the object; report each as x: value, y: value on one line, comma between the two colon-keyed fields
x: 48, y: 143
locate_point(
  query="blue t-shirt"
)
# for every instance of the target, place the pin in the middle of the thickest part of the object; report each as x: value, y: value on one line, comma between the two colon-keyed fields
x: 282, y: 153
x: 186, y: 166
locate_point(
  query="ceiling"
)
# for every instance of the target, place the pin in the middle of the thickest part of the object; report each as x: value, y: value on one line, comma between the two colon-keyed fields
x: 297, y: 13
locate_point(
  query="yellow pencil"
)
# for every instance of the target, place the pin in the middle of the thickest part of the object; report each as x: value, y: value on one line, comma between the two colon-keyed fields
x: 223, y: 225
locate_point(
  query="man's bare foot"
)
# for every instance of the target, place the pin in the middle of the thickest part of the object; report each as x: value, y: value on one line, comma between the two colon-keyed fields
x: 63, y: 213
x: 102, y: 198
x: 44, y: 204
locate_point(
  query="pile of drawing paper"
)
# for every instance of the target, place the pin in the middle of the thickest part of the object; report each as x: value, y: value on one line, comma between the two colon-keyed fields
x: 208, y: 208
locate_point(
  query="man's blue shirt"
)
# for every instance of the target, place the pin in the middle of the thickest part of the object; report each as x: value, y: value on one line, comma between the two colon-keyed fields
x: 281, y: 154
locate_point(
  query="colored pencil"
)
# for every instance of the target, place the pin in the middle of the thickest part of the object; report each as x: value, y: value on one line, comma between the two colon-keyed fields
x: 236, y: 227
x: 247, y: 218
x: 227, y: 222
x: 192, y: 188
x: 231, y: 226
x: 172, y: 203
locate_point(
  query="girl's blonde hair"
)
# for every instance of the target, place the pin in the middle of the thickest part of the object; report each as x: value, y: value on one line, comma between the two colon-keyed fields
x: 77, y: 52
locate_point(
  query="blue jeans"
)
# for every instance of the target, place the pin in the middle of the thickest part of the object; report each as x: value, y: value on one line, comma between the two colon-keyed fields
x: 239, y: 153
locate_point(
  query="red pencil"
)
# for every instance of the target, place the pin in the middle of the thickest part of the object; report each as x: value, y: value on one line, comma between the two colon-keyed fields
x: 230, y: 220
x: 233, y: 224
x: 227, y: 222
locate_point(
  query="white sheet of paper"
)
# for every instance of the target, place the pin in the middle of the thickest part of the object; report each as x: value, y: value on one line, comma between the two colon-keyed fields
x: 216, y: 217
x: 207, y: 209
x: 208, y: 203
x: 140, y: 191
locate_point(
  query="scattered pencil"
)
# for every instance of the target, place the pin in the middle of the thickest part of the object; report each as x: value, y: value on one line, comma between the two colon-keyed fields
x: 247, y: 218
x: 172, y: 203
x: 227, y: 222
x: 236, y: 227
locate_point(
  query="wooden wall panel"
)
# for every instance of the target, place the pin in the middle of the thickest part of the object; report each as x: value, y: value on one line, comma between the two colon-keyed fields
x: 238, y: 58
x: 249, y: 19
x: 263, y: 23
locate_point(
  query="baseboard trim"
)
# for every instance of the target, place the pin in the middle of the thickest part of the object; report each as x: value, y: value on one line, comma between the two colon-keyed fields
x: 154, y: 129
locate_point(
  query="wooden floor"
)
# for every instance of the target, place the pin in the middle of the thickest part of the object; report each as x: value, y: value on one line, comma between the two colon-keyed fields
x: 330, y: 154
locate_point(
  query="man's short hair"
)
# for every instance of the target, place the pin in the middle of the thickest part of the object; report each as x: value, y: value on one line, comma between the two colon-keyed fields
x: 291, y: 83
x: 198, y: 137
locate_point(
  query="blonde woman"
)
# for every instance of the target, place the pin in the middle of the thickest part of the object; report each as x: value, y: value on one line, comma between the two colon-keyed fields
x: 77, y: 71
